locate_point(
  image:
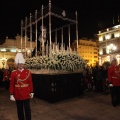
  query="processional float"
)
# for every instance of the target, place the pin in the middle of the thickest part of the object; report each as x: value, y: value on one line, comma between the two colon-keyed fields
x: 49, y: 33
x: 56, y: 69
x: 30, y: 25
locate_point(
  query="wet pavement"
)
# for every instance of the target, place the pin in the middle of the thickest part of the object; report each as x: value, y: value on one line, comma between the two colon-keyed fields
x: 90, y: 106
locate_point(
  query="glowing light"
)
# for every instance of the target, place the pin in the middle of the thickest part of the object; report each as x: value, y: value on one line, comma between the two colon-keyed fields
x: 101, y: 38
x: 108, y: 36
x: 111, y: 48
x: 3, y: 49
x: 117, y: 34
x: 13, y: 50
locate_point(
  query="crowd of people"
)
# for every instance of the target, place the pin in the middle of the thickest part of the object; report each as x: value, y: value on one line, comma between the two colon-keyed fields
x: 104, y: 79
x: 96, y: 79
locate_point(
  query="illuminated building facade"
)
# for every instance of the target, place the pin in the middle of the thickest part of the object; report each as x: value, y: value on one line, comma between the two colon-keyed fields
x: 109, y: 44
x: 9, y: 48
x: 88, y: 50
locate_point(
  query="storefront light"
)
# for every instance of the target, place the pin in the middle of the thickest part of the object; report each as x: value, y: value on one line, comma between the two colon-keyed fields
x: 3, y: 50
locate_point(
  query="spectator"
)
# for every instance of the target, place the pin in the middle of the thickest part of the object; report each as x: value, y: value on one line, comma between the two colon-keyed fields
x: 6, y: 77
x: 1, y: 77
x: 99, y: 78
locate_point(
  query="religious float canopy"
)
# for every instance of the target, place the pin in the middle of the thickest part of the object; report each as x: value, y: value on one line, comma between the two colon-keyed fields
x: 49, y: 27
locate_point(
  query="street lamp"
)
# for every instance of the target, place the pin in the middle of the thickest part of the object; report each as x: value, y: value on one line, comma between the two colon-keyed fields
x: 3, y: 61
x: 111, y: 48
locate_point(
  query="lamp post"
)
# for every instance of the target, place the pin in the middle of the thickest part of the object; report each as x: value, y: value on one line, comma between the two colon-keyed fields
x: 112, y: 48
x: 3, y: 61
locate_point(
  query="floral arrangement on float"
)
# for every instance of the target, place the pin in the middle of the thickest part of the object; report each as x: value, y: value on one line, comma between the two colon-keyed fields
x: 56, y: 62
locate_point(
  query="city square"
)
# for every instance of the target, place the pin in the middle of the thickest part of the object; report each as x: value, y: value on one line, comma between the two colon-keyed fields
x: 90, y: 106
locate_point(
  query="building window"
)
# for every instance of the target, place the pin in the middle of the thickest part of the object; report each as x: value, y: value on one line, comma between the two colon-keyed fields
x: 112, y: 36
x: 104, y: 50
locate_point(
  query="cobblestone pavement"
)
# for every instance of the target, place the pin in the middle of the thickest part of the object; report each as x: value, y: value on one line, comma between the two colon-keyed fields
x: 91, y: 106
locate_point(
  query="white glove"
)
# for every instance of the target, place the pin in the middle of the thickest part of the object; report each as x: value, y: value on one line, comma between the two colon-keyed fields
x: 110, y: 85
x: 31, y: 95
x: 12, y: 98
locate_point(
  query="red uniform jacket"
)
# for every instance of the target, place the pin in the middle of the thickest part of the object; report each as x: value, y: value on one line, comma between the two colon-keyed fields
x: 114, y: 75
x: 21, y: 84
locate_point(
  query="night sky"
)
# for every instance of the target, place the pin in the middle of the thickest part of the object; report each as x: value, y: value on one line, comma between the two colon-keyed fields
x: 93, y: 15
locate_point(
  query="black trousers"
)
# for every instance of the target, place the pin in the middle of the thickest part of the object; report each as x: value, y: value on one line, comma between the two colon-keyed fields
x: 115, y: 95
x: 7, y: 84
x: 23, y: 109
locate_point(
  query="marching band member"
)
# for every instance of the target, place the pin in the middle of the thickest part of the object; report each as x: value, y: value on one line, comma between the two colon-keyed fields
x: 21, y: 88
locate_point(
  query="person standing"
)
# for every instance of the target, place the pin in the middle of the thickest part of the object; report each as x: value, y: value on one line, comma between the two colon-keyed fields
x: 114, y: 82
x: 6, y: 77
x: 99, y: 78
x: 21, y: 88
x: 105, y: 79
x: 1, y: 77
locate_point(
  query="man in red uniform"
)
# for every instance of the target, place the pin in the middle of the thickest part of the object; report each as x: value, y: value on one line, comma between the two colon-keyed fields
x: 21, y: 88
x: 114, y: 80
